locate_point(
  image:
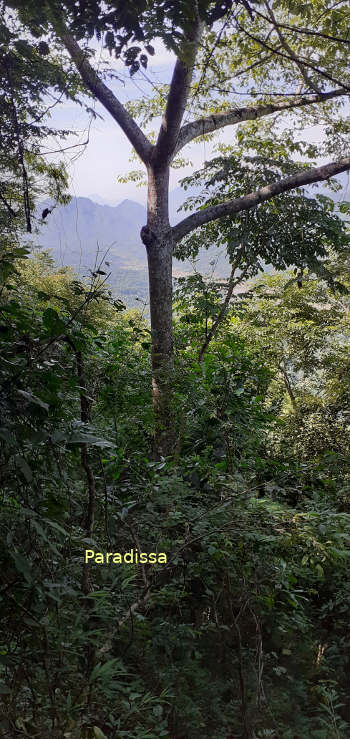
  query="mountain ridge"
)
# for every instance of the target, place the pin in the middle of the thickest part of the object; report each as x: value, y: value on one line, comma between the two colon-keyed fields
x: 83, y: 234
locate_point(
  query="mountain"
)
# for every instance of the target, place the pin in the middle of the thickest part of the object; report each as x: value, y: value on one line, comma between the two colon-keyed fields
x: 85, y: 234
x: 100, y: 200
x: 79, y: 232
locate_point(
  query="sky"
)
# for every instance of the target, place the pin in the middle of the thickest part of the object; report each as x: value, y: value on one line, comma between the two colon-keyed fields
x: 94, y: 168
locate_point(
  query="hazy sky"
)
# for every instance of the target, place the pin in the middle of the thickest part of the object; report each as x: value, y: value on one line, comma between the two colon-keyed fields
x: 94, y: 169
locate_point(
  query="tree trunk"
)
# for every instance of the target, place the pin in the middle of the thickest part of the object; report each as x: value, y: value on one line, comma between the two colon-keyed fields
x: 158, y: 240
x: 288, y: 386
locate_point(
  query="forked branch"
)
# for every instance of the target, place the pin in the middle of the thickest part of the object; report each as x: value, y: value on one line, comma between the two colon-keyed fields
x: 177, y: 98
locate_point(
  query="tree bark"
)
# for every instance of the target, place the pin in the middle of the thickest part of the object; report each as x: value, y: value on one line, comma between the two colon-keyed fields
x: 288, y: 386
x: 157, y: 237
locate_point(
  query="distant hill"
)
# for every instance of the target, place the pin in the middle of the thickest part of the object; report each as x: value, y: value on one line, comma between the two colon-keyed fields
x: 84, y: 233
x: 76, y: 233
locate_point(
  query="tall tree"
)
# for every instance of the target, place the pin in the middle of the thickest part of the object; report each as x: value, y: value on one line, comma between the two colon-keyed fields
x: 302, y: 51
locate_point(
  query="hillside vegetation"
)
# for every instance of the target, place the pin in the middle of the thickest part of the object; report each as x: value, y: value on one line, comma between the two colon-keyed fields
x: 175, y: 486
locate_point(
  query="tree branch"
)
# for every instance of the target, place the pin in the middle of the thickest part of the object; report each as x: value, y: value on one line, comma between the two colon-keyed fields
x: 300, y: 179
x: 287, y: 383
x: 249, y: 113
x: 141, y: 601
x: 232, y: 282
x: 12, y: 212
x: 308, y: 81
x: 137, y: 138
x: 307, y: 31
x: 305, y: 63
x: 177, y: 98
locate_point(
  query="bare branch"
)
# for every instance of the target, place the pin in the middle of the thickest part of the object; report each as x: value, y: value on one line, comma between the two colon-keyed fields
x: 231, y: 207
x: 307, y: 31
x: 308, y: 81
x: 249, y: 113
x: 305, y: 62
x: 137, y: 138
x: 231, y: 284
x: 12, y: 212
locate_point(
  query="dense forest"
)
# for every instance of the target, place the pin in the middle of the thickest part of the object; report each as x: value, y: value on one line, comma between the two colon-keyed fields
x: 175, y: 485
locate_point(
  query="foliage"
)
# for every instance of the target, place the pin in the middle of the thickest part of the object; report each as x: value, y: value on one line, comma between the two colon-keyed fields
x: 303, y: 333
x: 245, y: 627
x: 32, y: 82
x: 293, y: 229
x: 244, y: 631
x: 125, y: 26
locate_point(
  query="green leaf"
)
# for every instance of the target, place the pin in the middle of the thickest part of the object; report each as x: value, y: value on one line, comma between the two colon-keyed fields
x: 23, y: 467
x: 344, y: 207
x: 81, y: 437
x: 22, y: 566
x: 98, y: 733
x: 108, y: 668
x: 33, y: 399
x: 53, y: 322
x: 5, y: 435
